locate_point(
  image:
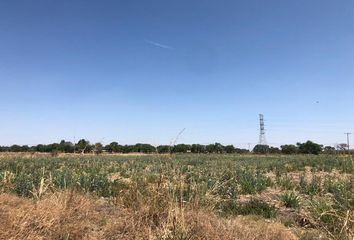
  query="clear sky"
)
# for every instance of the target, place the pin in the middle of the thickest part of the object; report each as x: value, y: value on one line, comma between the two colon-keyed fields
x: 140, y: 71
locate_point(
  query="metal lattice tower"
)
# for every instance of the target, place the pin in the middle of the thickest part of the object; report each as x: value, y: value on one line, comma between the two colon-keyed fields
x: 262, y: 137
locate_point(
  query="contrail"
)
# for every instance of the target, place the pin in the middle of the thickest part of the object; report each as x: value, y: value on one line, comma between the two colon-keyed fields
x: 158, y: 44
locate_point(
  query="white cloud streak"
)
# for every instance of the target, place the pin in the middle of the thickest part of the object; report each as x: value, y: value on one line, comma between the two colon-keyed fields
x: 156, y: 44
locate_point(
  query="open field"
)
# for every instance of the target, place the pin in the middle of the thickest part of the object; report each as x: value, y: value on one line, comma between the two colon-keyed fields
x: 182, y: 196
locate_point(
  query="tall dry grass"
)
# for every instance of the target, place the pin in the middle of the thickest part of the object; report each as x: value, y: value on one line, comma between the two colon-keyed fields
x: 70, y: 215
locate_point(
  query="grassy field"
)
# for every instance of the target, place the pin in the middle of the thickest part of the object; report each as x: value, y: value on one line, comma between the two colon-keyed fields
x: 187, y: 196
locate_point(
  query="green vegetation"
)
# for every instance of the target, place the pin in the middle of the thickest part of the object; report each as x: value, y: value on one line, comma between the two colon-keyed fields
x: 290, y: 200
x: 310, y: 148
x: 84, y: 146
x: 220, y: 182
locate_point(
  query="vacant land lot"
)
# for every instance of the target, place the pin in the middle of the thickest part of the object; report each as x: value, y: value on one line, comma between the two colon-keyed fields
x: 177, y: 197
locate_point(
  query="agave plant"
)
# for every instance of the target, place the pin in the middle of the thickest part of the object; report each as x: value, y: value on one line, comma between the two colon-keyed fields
x: 290, y: 200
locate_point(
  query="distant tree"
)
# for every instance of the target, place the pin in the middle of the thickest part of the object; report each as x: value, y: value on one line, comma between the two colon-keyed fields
x: 274, y: 150
x: 210, y: 148
x: 25, y: 148
x: 198, y: 148
x: 127, y: 148
x: 18, y: 148
x: 142, y: 148
x: 163, y: 149
x: 83, y: 146
x: 54, y: 147
x: 241, y: 150
x: 289, y: 149
x: 113, y: 147
x: 98, y: 148
x: 64, y: 146
x: 39, y: 148
x: 215, y: 148
x: 261, y: 149
x: 181, y: 148
x: 219, y: 148
x: 61, y: 146
x: 230, y: 149
x: 309, y: 147
x: 108, y: 148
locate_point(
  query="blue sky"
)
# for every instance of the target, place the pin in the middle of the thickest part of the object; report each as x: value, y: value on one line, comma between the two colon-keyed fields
x: 140, y: 71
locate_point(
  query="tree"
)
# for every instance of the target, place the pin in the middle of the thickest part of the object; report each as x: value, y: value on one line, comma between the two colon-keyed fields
x: 261, y: 149
x: 274, y: 150
x: 65, y: 146
x: 163, y: 149
x: 142, y: 148
x: 219, y: 148
x: 289, y: 149
x: 241, y: 150
x: 18, y: 148
x: 230, y: 149
x: 215, y: 148
x: 198, y: 148
x: 210, y: 148
x: 98, y: 148
x: 108, y: 148
x: 127, y: 148
x: 181, y: 148
x: 113, y: 147
x: 83, y: 146
x: 309, y: 147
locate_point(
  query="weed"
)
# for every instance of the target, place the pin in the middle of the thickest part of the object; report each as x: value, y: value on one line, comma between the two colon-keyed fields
x: 257, y: 207
x: 286, y: 183
x: 252, y: 207
x: 290, y: 200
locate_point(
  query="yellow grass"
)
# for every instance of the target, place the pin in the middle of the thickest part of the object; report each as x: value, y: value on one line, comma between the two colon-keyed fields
x: 70, y: 215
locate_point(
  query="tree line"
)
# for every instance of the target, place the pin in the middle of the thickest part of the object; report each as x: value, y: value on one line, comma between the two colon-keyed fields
x: 308, y: 147
x: 84, y: 146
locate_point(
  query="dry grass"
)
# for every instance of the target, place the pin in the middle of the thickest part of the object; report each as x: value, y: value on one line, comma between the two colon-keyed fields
x: 60, y: 216
x: 185, y: 199
x: 69, y: 215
